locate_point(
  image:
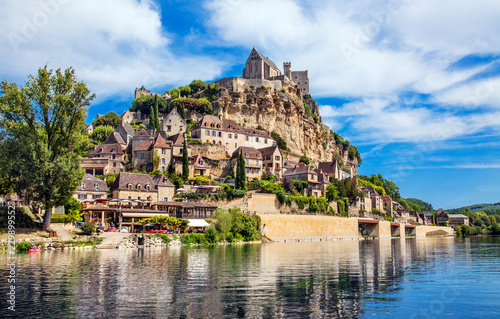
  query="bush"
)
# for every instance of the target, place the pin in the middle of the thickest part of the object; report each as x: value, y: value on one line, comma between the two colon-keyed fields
x: 200, y: 180
x: 313, y: 207
x: 236, y: 193
x: 60, y: 218
x: 280, y: 141
x: 87, y: 229
x: 164, y: 237
x: 281, y: 196
x: 304, y: 159
x: 23, y: 246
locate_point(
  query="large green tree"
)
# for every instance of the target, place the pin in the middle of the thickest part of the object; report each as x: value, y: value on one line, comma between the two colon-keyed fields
x: 41, y: 124
x: 101, y: 133
x: 109, y: 119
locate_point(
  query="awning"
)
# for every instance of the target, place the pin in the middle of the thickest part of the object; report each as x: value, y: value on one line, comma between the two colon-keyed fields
x: 142, y: 215
x: 198, y: 223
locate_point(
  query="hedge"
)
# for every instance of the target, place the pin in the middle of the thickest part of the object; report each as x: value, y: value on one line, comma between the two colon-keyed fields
x: 60, y: 218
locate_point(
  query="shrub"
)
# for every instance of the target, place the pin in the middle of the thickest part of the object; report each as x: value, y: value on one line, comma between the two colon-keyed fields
x: 324, y: 145
x: 280, y: 141
x: 313, y: 207
x: 164, y: 237
x: 60, y: 218
x: 87, y: 229
x: 23, y: 246
x: 281, y: 196
x: 236, y: 193
x: 304, y: 159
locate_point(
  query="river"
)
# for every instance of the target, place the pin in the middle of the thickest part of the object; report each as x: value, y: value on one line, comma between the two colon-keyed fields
x: 393, y: 278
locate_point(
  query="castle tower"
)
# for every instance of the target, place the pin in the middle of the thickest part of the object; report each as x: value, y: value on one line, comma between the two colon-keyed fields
x: 287, y: 69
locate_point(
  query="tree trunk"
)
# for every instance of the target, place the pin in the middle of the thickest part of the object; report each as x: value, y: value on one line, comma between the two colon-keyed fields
x: 46, y: 219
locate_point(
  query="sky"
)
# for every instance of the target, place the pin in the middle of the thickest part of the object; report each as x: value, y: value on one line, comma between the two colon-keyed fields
x: 415, y: 85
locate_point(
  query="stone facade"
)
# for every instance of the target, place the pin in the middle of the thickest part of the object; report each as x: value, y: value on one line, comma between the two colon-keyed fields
x: 173, y: 123
x: 253, y: 162
x: 259, y: 67
x: 272, y: 160
x: 303, y: 172
x: 115, y: 155
x: 91, y: 188
x: 143, y: 187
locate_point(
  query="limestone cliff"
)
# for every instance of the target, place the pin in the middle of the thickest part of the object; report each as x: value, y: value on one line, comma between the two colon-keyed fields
x: 283, y: 112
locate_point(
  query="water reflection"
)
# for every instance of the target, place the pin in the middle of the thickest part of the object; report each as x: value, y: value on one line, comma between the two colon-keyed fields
x: 346, y: 279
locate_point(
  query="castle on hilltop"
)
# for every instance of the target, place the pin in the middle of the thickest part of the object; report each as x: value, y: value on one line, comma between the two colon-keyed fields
x: 261, y: 67
x: 262, y: 71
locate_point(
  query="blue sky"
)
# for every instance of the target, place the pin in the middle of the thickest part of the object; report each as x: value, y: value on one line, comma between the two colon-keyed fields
x: 414, y: 84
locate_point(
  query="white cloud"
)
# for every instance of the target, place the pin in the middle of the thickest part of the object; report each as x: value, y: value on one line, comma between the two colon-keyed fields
x: 114, y: 45
x: 473, y: 95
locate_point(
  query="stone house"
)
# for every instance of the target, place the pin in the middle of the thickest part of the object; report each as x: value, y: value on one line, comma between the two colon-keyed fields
x: 387, y: 205
x: 132, y: 117
x: 253, y: 161
x: 323, y: 179
x: 376, y: 199
x: 173, y: 123
x: 332, y: 169
x: 218, y: 131
x: 199, y: 167
x: 115, y: 155
x: 94, y: 166
x: 364, y: 203
x: 272, y: 160
x: 143, y: 187
x: 415, y: 217
x: 441, y: 216
x: 455, y: 220
x: 306, y: 173
x: 91, y: 188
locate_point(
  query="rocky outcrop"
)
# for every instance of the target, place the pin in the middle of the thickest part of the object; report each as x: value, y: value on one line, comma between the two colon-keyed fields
x: 283, y: 112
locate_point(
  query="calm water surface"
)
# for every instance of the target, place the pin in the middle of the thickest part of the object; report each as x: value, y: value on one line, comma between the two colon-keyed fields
x: 394, y: 278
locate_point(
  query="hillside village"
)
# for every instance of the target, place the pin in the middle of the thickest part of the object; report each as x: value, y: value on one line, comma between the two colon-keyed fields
x: 190, y: 159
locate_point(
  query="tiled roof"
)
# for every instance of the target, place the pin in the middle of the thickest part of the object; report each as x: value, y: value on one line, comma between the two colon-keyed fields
x: 107, y: 149
x: 142, y: 133
x: 177, y: 139
x: 371, y: 191
x: 329, y: 167
x: 127, y: 128
x: 268, y: 150
x: 457, y: 216
x: 267, y: 60
x: 125, y: 179
x: 252, y: 153
x: 298, y: 170
x: 387, y: 198
x: 90, y: 182
x: 229, y: 126
x: 144, y: 146
x: 196, y: 162
x: 113, y: 138
x: 161, y: 143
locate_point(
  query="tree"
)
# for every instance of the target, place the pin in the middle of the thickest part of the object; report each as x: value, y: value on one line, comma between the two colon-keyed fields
x: 240, y: 172
x: 152, y: 120
x: 185, y: 162
x: 108, y: 119
x: 101, y: 133
x: 304, y: 159
x: 145, y: 102
x: 331, y: 192
x: 157, y: 114
x: 41, y: 124
x: 197, y: 86
x: 280, y: 141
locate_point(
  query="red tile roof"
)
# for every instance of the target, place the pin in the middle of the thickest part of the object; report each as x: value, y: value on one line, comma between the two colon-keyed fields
x: 144, y: 146
x: 252, y: 153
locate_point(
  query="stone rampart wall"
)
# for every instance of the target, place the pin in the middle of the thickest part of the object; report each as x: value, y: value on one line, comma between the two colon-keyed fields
x: 281, y: 227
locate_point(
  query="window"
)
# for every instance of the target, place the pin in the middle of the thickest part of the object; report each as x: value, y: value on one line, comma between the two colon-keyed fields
x: 220, y: 134
x: 142, y: 155
x: 257, y: 139
x: 169, y: 121
x: 169, y: 128
x: 247, y: 161
x: 165, y: 199
x: 114, y: 156
x: 129, y: 186
x: 214, y: 133
x: 114, y: 164
x: 165, y: 190
x: 247, y: 170
x: 257, y: 162
x: 113, y: 150
x: 229, y: 135
x: 139, y: 187
x: 277, y: 158
x: 246, y: 138
x: 97, y: 196
x: 163, y: 151
x: 207, y: 132
x: 235, y: 135
x: 82, y: 196
x: 236, y: 145
x: 180, y: 150
x: 82, y: 185
x: 246, y: 155
x: 148, y: 187
x: 162, y: 168
x: 130, y: 197
x: 265, y: 140
x: 258, y: 155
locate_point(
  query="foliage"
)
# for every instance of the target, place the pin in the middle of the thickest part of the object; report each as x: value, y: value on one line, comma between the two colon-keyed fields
x: 415, y: 207
x: 197, y: 86
x: 331, y: 192
x: 354, y: 154
x: 336, y: 136
x: 165, y: 220
x: 379, y: 189
x: 109, y: 119
x: 200, y: 180
x: 202, y: 105
x: 304, y: 159
x: 307, y: 109
x: 101, y: 133
x: 156, y: 160
x: 403, y: 203
x: 260, y: 128
x: 338, y: 158
x: 75, y: 215
x: 269, y: 177
x: 176, y: 180
x: 24, y: 217
x: 324, y: 145
x: 240, y: 172
x: 342, y: 208
x: 300, y: 186
x: 87, y: 229
x: 280, y: 141
x: 211, y: 92
x: 59, y: 218
x: 391, y: 189
x: 185, y: 162
x: 271, y: 187
x: 235, y: 193
x: 155, y: 172
x: 72, y: 204
x: 145, y: 103
x: 41, y: 127
x: 238, y: 224
x: 347, y: 188
x: 23, y: 246
x: 424, y: 207
x: 281, y: 196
